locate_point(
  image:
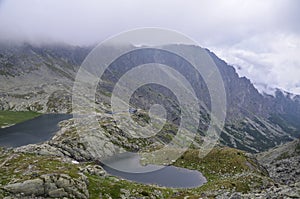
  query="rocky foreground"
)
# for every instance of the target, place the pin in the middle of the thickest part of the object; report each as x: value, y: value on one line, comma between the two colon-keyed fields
x: 66, y: 167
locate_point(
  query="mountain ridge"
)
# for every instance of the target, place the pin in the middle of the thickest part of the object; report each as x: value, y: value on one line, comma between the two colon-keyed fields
x: 255, y: 122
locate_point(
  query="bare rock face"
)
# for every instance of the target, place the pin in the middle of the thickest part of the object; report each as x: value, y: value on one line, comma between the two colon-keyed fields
x: 29, y: 187
x: 76, y: 141
x: 81, y: 142
x: 40, y: 149
x: 51, y: 185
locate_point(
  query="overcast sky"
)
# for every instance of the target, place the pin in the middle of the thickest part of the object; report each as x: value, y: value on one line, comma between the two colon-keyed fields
x: 261, y: 38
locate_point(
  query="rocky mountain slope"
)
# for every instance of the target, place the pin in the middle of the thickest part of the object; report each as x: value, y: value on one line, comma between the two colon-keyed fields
x: 41, y: 79
x: 254, y: 122
x: 38, y: 78
x: 283, y: 162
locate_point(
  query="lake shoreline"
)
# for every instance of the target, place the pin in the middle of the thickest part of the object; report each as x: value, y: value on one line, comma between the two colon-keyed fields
x: 159, y: 175
x: 36, y: 130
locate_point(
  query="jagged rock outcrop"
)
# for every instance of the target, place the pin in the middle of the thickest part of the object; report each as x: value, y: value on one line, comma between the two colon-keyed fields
x: 52, y: 186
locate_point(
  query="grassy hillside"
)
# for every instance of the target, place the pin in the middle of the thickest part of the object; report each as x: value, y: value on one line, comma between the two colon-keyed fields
x: 8, y: 118
x: 225, y: 169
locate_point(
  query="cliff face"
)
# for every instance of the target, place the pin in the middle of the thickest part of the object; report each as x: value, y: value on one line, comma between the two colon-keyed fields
x: 257, y: 121
x: 41, y: 79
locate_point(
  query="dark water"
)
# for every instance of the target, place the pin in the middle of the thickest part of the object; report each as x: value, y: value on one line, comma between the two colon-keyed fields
x: 127, y: 166
x: 124, y: 165
x: 32, y: 131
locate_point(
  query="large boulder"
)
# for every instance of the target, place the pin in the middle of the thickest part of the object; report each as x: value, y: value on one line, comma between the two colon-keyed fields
x: 28, y: 187
x: 53, y: 186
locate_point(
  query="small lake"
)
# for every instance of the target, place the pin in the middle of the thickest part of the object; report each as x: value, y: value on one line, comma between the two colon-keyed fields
x: 36, y: 130
x: 127, y: 166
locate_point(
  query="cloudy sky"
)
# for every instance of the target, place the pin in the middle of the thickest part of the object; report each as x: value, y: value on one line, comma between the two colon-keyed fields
x: 260, y: 38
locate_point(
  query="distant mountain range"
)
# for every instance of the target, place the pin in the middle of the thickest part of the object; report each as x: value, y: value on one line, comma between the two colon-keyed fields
x: 41, y: 79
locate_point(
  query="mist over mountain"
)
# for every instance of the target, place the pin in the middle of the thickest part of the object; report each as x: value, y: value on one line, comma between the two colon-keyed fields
x: 40, y: 78
x: 149, y: 99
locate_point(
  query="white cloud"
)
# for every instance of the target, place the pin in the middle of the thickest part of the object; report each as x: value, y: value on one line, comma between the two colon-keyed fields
x: 81, y: 22
x: 260, y: 36
x: 269, y: 61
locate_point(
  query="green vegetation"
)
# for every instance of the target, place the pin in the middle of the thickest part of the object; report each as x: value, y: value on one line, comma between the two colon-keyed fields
x: 18, y: 167
x: 13, y: 117
x: 113, y: 187
x: 224, y: 168
x: 2, y: 72
x: 23, y: 166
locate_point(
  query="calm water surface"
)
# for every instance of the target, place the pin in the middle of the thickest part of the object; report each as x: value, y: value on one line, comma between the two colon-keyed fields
x: 125, y: 165
x: 36, y: 130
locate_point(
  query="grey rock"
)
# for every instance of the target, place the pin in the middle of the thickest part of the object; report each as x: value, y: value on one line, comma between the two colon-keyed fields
x: 57, y: 193
x: 93, y: 170
x: 282, y: 163
x: 51, y: 185
x: 40, y: 149
x: 29, y: 187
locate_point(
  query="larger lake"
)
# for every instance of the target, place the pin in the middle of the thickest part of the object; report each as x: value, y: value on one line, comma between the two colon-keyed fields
x: 36, y: 130
x: 126, y: 165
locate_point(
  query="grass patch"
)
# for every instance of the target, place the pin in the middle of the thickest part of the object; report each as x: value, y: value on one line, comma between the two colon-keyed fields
x: 105, y: 187
x: 24, y: 166
x: 14, y: 117
x: 224, y: 168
